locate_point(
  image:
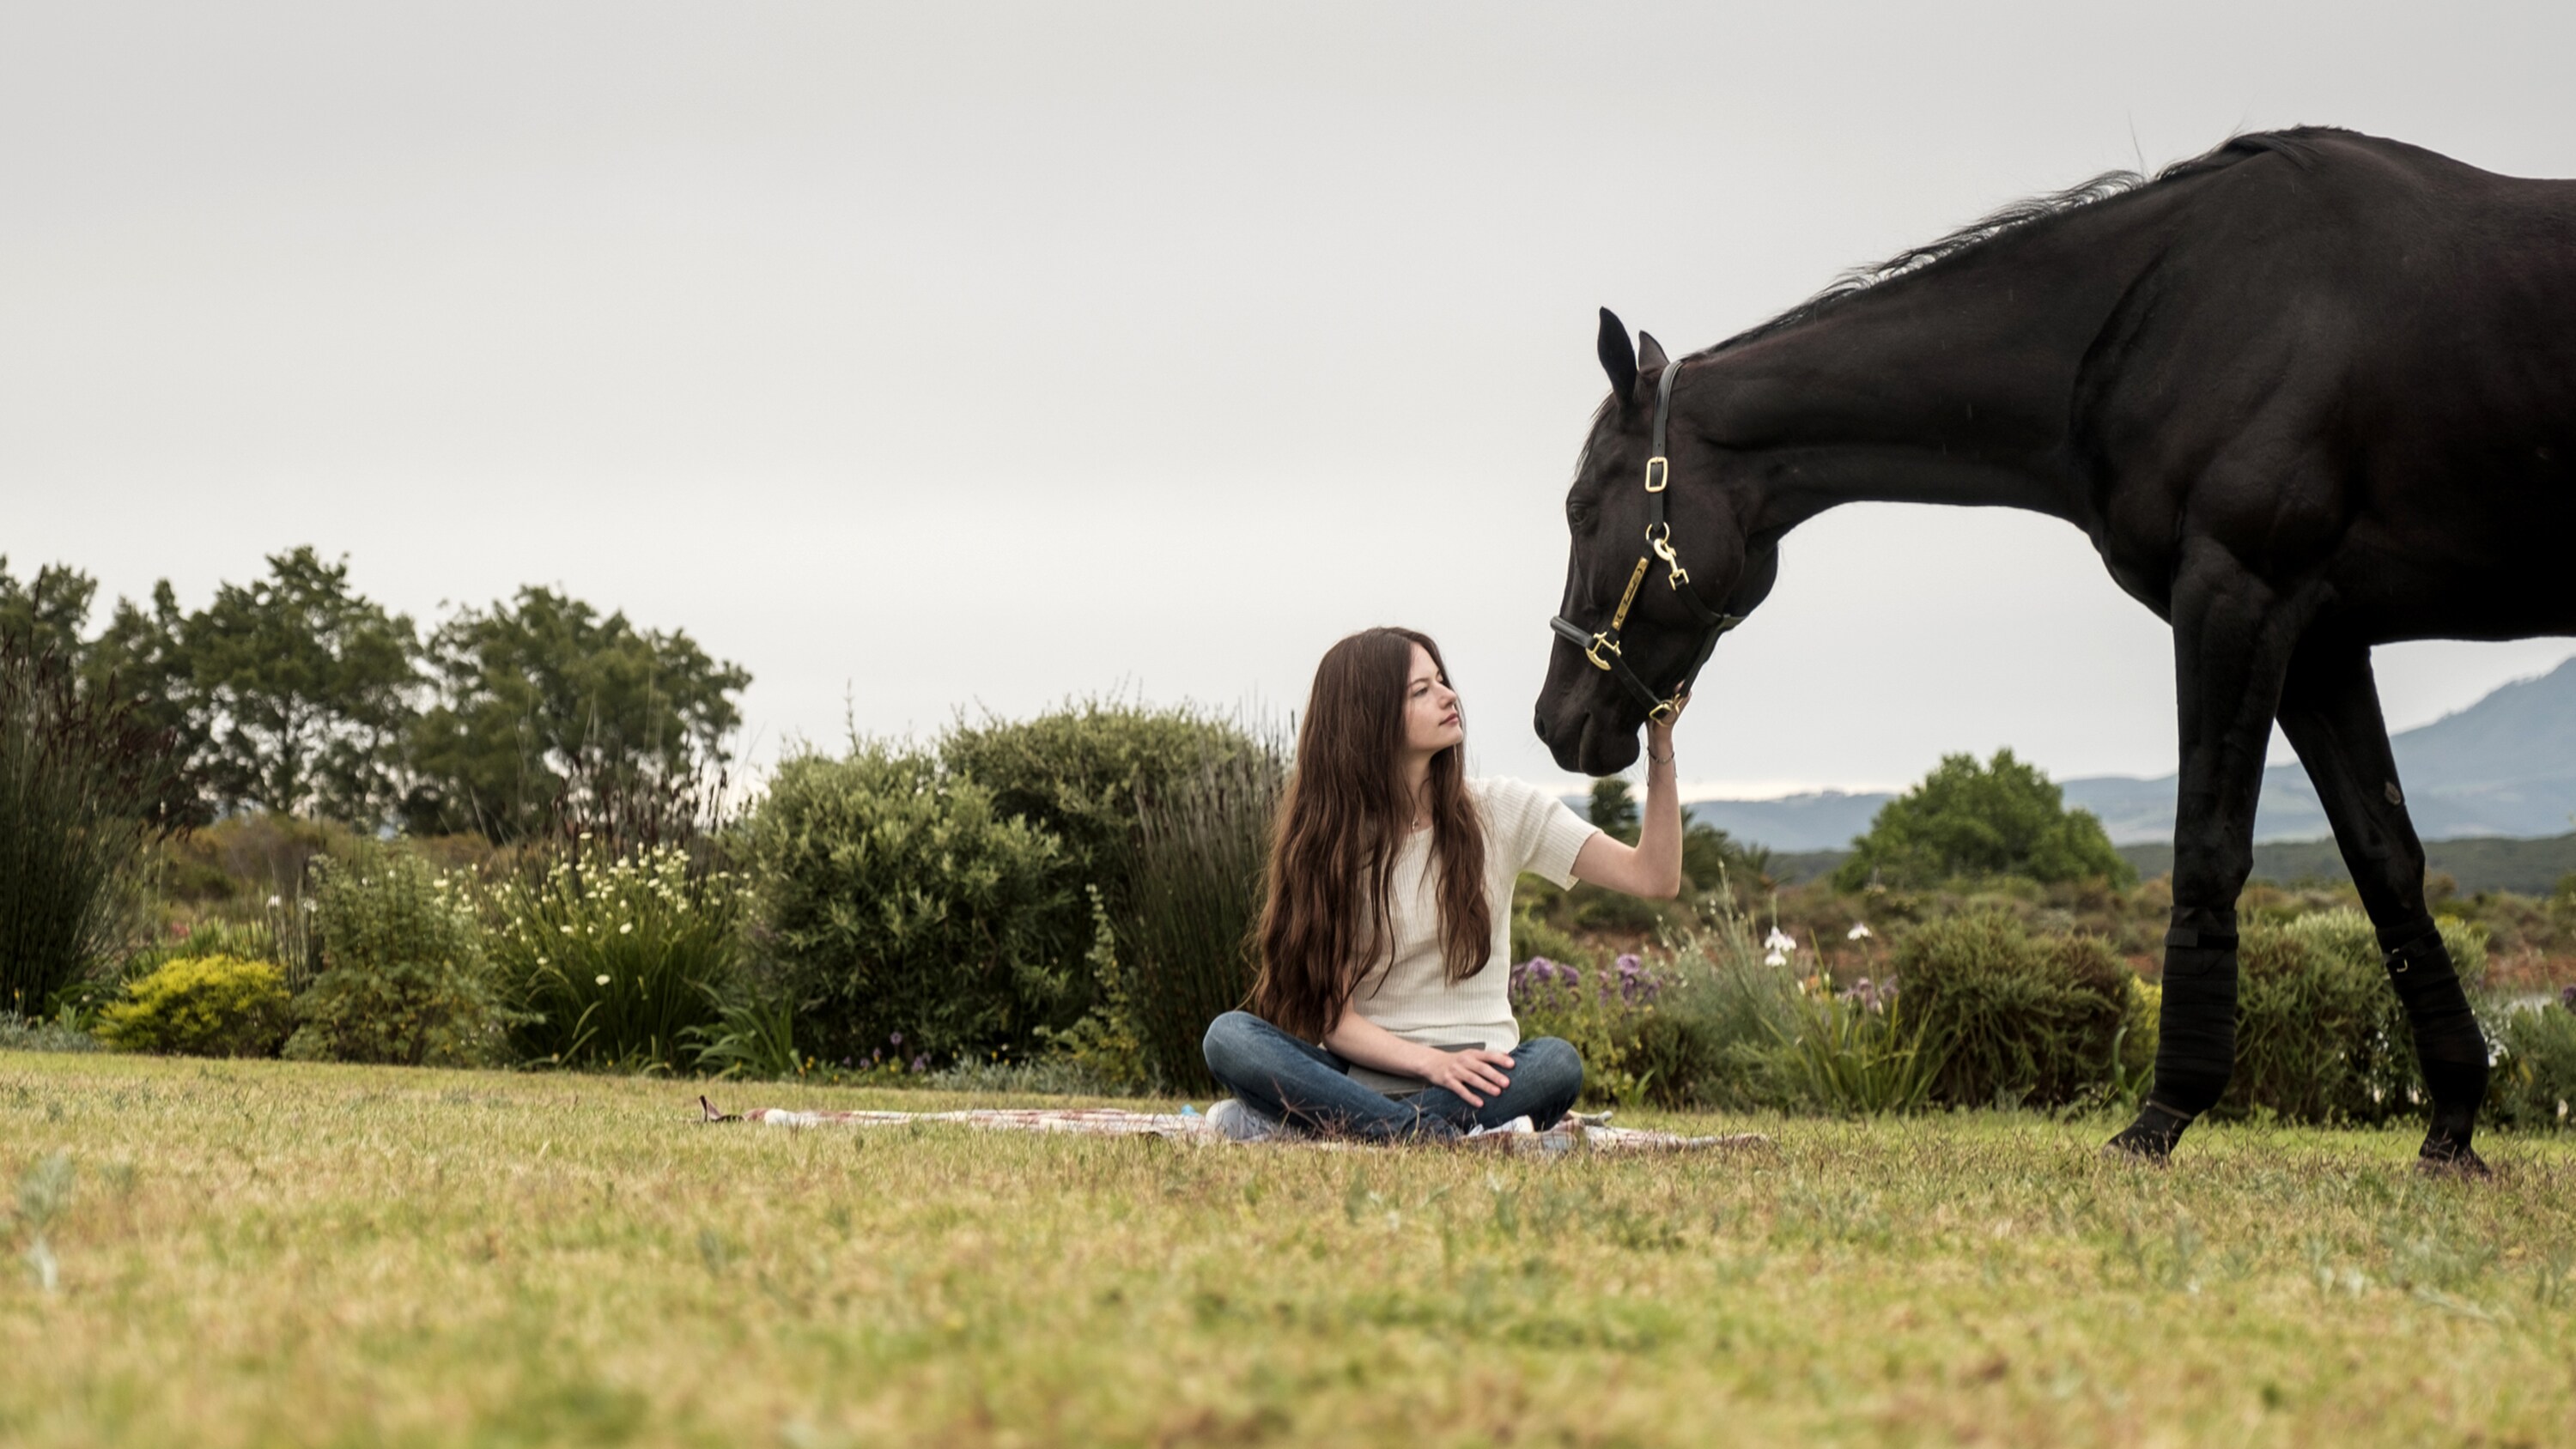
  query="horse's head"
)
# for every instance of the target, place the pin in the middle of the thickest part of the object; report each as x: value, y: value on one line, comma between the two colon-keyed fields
x: 1660, y: 565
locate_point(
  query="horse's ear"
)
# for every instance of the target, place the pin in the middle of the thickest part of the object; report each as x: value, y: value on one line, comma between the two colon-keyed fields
x: 1617, y: 358
x: 1650, y: 353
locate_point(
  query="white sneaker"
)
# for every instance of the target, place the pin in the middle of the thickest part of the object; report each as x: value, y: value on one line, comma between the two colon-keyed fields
x: 1517, y: 1127
x: 1241, y: 1122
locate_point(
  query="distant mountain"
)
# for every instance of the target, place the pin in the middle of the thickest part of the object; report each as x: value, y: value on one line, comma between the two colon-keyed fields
x: 1824, y: 820
x: 2505, y: 766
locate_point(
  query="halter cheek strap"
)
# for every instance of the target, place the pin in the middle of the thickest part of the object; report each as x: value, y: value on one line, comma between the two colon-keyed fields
x: 1602, y: 646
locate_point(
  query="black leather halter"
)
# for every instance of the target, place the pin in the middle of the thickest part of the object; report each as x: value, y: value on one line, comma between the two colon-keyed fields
x: 1602, y: 647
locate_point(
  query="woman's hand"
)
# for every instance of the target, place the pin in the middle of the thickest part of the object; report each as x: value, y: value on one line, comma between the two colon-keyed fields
x: 1466, y: 1072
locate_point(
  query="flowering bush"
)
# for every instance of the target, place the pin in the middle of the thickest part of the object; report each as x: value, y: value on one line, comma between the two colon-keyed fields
x: 201, y: 1006
x: 1603, y: 1017
x: 616, y: 960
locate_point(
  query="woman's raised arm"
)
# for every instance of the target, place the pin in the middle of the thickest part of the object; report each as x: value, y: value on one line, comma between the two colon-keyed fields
x: 1653, y: 866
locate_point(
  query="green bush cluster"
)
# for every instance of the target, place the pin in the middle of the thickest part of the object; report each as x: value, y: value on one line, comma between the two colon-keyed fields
x: 202, y: 1006
x: 404, y: 976
x: 2320, y: 1036
x: 904, y: 909
x: 938, y: 904
x: 2534, y: 1085
x: 2014, y: 1016
x: 1602, y: 1012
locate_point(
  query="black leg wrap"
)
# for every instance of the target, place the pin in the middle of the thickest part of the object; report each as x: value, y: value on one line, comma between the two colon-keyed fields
x: 2196, y: 1040
x: 2449, y: 1047
x: 2196, y: 1032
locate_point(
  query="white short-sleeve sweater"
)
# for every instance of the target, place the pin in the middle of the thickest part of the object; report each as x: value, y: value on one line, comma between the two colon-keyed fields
x: 1526, y: 829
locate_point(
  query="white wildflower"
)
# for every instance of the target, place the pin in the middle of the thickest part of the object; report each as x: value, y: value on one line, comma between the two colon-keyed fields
x: 624, y: 927
x: 1860, y: 931
x: 1776, y: 958
x: 603, y: 978
x: 274, y: 903
x: 1779, y: 941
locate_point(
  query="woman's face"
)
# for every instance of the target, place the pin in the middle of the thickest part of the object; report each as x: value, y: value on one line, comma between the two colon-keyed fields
x: 1430, y: 707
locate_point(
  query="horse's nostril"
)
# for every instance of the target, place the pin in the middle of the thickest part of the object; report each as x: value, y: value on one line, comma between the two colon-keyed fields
x: 1539, y: 722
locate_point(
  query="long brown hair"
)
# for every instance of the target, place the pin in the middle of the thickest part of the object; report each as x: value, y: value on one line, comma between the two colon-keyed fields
x: 1326, y: 917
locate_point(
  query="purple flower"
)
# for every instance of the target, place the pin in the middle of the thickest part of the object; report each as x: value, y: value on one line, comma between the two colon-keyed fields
x: 2567, y: 997
x: 921, y: 1063
x: 895, y: 1040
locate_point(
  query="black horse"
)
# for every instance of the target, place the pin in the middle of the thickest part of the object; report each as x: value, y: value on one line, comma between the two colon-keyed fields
x: 2308, y: 393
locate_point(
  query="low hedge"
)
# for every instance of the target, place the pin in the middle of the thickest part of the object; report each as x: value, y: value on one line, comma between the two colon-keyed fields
x: 2320, y: 1035
x: 202, y: 1006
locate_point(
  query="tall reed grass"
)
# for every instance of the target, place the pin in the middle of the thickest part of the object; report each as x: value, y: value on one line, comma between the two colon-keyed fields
x: 1202, y: 843
x: 85, y: 785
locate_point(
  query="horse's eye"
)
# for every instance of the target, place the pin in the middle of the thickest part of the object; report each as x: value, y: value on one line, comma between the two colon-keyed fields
x: 1579, y: 514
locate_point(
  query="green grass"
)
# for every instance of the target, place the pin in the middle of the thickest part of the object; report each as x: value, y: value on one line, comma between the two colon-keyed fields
x: 257, y: 1253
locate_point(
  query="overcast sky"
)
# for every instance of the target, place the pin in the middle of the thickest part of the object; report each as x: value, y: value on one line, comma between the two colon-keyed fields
x: 946, y: 356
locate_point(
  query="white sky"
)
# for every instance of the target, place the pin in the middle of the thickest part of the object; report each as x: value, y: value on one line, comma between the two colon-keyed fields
x: 931, y: 356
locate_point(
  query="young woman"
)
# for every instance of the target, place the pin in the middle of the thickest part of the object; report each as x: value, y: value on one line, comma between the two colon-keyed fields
x: 1382, y: 1008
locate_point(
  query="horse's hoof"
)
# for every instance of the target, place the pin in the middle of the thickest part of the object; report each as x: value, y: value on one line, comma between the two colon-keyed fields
x: 2448, y: 1157
x: 2150, y: 1138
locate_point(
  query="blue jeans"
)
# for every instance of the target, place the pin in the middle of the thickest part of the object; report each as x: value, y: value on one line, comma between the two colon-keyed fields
x: 1299, y: 1082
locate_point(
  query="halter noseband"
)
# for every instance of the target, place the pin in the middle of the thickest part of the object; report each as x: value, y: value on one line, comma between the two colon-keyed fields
x: 1659, y: 540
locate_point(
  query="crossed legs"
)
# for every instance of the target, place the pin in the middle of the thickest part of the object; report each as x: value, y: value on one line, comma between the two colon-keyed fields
x: 1302, y: 1083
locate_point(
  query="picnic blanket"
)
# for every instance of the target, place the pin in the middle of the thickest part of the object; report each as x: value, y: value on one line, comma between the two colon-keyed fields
x: 1577, y: 1133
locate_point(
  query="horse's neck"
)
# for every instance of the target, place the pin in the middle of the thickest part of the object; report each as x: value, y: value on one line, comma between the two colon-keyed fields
x: 1955, y: 386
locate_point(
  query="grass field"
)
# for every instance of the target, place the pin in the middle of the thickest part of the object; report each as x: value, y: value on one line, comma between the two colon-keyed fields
x: 257, y: 1253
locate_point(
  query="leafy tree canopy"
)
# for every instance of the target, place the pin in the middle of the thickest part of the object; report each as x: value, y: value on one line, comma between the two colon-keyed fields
x: 1968, y: 819
x: 541, y: 696
x: 46, y: 614
x: 305, y: 686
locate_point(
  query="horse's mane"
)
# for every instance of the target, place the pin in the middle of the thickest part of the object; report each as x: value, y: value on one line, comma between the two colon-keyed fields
x: 2030, y: 209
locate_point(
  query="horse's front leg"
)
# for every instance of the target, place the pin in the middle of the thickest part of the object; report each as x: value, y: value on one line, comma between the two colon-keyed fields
x: 2233, y: 637
x: 2330, y: 710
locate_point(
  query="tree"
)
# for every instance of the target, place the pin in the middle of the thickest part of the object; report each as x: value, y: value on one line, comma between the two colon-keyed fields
x: 46, y: 614
x: 541, y: 696
x: 1614, y: 810
x: 2003, y: 818
x: 305, y: 688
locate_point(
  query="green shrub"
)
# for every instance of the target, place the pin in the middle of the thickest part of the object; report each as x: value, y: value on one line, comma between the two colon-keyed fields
x: 612, y: 959
x: 1532, y: 933
x: 898, y: 900
x: 23, y: 1034
x: 1107, y: 1046
x: 1601, y: 1012
x: 1203, y: 841
x: 2320, y: 1035
x: 1715, y: 1038
x: 1078, y: 774
x: 85, y: 788
x: 1971, y: 820
x: 1861, y: 1052
x: 2019, y: 1016
x: 404, y: 978
x: 2535, y: 1076
x: 752, y: 1037
x: 202, y: 1006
